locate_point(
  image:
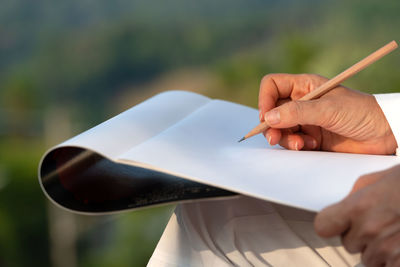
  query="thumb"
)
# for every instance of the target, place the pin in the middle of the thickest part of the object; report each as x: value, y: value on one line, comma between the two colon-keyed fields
x: 295, y: 113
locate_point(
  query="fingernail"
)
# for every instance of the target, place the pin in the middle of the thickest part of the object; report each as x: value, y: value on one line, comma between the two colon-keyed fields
x: 260, y: 116
x: 293, y: 145
x: 311, y: 144
x: 296, y: 146
x: 273, y: 117
x: 269, y: 139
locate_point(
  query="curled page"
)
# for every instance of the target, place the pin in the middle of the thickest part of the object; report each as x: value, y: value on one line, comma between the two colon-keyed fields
x: 83, y: 175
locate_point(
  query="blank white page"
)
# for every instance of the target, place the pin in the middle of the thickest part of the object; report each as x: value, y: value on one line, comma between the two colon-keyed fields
x: 203, y: 147
x: 139, y: 123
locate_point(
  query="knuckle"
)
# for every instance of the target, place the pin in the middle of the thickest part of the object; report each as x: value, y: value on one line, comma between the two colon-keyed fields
x: 366, y: 258
x: 364, y: 177
x: 349, y: 244
x: 294, y: 109
x: 360, y: 206
x: 384, y: 250
x: 361, y: 181
x: 316, y: 76
x: 267, y: 78
x: 369, y: 230
x: 309, y: 76
x: 371, y: 258
x: 394, y: 261
x: 313, y: 80
x: 317, y: 79
x: 264, y: 79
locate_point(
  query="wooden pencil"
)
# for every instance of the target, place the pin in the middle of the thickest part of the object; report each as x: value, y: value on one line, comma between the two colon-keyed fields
x: 334, y: 82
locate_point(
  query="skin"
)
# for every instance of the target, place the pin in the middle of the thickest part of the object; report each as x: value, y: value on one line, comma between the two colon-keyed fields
x: 343, y: 120
x: 368, y: 220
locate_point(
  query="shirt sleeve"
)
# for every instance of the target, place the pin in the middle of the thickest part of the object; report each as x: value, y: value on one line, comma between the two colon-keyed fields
x: 390, y: 105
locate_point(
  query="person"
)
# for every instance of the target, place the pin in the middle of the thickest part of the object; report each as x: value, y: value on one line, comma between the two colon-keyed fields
x: 363, y: 227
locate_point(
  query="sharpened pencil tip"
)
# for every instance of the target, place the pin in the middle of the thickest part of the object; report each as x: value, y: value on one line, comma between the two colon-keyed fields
x: 241, y: 139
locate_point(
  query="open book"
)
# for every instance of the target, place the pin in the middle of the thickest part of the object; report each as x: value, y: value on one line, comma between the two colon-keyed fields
x: 179, y: 146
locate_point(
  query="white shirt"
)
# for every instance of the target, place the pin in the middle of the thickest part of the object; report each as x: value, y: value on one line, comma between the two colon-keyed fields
x: 390, y: 105
x: 244, y: 231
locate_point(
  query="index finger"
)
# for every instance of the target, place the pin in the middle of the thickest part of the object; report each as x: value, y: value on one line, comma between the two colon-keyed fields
x: 333, y: 220
x: 280, y: 86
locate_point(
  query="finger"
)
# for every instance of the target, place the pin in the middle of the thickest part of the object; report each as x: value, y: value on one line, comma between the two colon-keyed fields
x: 314, y: 132
x: 272, y: 88
x: 383, y: 249
x: 304, y: 142
x: 291, y: 141
x: 309, y: 142
x: 367, y: 220
x: 353, y: 239
x: 364, y: 228
x: 333, y: 220
x: 297, y: 113
x: 273, y: 136
x: 395, y: 261
x: 278, y: 86
x: 282, y: 101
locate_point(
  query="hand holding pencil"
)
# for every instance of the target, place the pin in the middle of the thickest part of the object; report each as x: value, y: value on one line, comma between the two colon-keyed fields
x: 341, y: 120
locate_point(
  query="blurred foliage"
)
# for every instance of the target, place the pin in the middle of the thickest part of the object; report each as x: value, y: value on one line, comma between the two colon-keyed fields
x: 23, y: 226
x: 83, y: 56
x: 132, y: 236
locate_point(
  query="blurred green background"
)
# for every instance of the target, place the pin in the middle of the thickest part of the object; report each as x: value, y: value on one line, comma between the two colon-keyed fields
x: 66, y: 66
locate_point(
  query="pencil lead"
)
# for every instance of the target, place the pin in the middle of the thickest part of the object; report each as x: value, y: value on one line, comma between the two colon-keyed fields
x: 241, y: 139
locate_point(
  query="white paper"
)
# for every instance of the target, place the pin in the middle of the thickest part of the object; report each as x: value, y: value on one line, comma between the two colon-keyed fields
x: 203, y: 147
x: 139, y: 123
x: 191, y: 136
